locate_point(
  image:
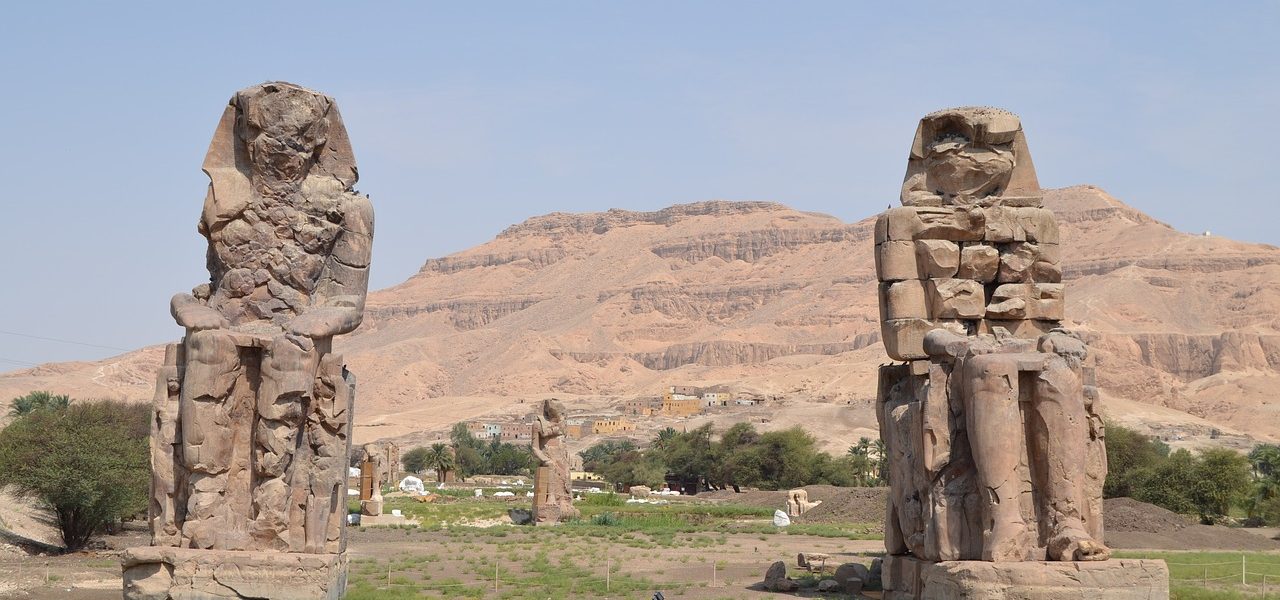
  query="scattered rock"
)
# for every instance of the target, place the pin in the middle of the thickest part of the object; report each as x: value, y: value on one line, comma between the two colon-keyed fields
x: 873, y: 579
x: 775, y: 579
x: 520, y: 516
x: 853, y: 576
x: 828, y: 585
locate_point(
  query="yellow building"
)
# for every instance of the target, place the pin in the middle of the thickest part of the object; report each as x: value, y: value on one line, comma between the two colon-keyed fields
x: 677, y: 405
x: 577, y: 429
x: 611, y: 426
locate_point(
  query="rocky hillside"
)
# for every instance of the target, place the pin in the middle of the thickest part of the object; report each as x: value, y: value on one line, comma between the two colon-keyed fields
x: 596, y: 307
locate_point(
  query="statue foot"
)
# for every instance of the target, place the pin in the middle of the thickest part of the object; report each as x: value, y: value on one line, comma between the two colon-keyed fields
x: 1073, y: 544
x: 1006, y: 543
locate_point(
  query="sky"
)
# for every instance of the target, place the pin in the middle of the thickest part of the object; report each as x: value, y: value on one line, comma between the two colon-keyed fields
x: 468, y: 117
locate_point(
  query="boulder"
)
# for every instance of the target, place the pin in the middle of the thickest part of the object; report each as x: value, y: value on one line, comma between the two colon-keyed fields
x: 775, y: 579
x: 853, y: 576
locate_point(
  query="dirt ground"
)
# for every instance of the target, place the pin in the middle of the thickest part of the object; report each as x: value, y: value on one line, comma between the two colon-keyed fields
x: 381, y: 555
x: 704, y: 565
x: 1133, y: 525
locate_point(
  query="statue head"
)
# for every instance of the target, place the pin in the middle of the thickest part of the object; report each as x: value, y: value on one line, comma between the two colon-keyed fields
x: 552, y: 409
x: 270, y: 138
x: 970, y: 155
x: 282, y: 127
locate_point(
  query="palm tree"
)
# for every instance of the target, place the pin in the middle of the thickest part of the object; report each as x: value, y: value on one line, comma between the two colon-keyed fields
x: 40, y: 400
x: 1265, y: 459
x: 665, y: 436
x: 441, y: 458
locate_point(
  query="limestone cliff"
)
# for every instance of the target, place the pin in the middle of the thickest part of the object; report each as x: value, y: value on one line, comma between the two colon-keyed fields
x: 596, y: 307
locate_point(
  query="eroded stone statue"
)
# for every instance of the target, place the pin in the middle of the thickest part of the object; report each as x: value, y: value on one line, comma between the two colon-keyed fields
x: 373, y: 474
x: 991, y: 423
x: 552, y: 487
x: 253, y: 409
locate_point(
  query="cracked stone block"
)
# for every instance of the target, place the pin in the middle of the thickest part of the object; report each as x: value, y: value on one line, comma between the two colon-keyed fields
x: 1016, y: 262
x: 1020, y: 224
x: 1026, y: 301
x: 979, y: 262
x: 956, y: 299
x: 896, y: 261
x: 957, y: 224
x: 904, y: 300
x: 937, y: 259
x: 1019, y: 328
x: 904, y: 338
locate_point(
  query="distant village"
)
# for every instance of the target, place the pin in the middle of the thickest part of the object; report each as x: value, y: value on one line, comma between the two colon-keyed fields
x: 678, y: 401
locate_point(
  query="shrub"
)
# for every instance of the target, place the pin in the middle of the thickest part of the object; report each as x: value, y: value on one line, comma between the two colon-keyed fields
x: 86, y: 463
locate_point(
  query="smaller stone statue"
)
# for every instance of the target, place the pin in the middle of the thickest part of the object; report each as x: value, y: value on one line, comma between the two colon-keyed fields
x: 373, y: 474
x: 552, y: 488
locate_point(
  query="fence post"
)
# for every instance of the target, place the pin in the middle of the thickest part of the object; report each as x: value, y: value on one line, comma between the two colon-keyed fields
x: 495, y: 572
x: 1243, y: 569
x: 1205, y: 582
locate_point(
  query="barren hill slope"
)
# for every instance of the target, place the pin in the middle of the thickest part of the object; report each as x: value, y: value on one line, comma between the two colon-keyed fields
x: 597, y: 307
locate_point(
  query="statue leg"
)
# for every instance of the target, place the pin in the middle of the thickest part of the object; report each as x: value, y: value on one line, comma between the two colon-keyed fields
x: 207, y: 429
x: 167, y: 475
x: 1060, y: 426
x: 995, y: 430
x: 288, y: 372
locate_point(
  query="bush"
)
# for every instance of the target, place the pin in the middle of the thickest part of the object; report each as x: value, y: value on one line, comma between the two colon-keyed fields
x: 86, y: 463
x: 417, y: 460
x: 607, y: 499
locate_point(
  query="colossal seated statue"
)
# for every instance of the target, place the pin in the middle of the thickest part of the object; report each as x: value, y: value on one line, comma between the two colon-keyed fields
x: 994, y: 438
x: 253, y: 411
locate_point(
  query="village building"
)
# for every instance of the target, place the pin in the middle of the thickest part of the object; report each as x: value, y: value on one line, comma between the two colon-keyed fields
x: 611, y: 426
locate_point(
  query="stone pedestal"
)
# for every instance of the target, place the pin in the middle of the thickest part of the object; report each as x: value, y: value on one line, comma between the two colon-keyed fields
x: 159, y: 573
x: 907, y: 578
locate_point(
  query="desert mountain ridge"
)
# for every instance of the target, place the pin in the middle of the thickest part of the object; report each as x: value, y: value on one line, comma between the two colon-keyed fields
x: 597, y: 308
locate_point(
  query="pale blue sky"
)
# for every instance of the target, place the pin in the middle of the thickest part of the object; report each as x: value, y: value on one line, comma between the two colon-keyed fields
x: 468, y: 117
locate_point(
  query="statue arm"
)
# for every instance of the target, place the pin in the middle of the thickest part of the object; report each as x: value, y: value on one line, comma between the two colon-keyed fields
x: 338, y: 302
x: 195, y: 315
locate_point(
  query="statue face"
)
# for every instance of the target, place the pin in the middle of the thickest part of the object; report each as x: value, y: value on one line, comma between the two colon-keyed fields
x: 282, y: 129
x: 552, y: 410
x: 962, y: 171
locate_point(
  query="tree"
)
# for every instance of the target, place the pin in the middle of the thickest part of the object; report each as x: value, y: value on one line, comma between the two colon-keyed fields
x: 604, y: 452
x: 689, y: 455
x: 1265, y: 460
x: 416, y: 460
x: 441, y: 458
x: 1131, y: 458
x: 510, y: 459
x: 1168, y: 483
x: 1223, y: 479
x: 86, y: 463
x: 39, y: 400
x: 788, y: 459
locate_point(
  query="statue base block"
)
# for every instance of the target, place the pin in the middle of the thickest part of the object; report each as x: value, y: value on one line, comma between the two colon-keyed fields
x: 907, y: 578
x: 164, y: 573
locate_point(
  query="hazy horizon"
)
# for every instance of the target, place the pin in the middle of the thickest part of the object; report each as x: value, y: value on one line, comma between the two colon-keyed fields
x: 466, y: 121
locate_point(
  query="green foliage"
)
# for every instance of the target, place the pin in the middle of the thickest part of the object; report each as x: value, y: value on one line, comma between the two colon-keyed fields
x: 472, y: 456
x: 86, y: 463
x: 1130, y: 458
x: 871, y: 462
x: 1263, y: 504
x: 1207, y: 484
x: 39, y: 400
x: 741, y: 457
x: 440, y: 458
x: 608, y: 499
x: 1223, y: 479
x: 605, y: 452
x: 416, y: 460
